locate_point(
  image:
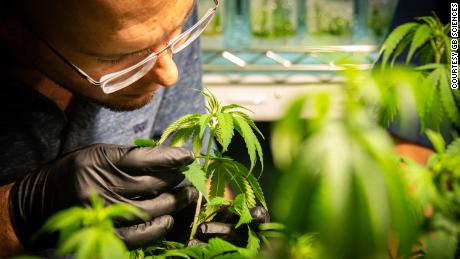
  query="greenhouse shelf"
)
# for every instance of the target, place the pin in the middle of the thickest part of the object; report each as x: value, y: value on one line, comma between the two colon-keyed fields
x: 266, y: 80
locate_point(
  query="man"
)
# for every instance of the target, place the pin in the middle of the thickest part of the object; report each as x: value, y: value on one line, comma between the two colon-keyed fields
x: 61, y: 88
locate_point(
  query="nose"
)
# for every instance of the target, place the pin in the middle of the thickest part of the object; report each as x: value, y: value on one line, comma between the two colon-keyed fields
x: 164, y: 72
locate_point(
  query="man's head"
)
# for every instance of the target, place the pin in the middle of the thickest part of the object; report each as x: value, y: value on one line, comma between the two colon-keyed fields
x: 101, y: 37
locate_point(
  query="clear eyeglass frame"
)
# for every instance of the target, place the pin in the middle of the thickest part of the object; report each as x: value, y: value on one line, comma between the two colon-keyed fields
x: 115, y: 81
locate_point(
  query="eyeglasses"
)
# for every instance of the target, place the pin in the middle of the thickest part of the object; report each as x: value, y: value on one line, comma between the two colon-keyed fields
x: 115, y: 81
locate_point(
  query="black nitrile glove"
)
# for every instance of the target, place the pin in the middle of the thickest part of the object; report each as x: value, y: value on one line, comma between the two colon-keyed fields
x: 143, y: 177
x: 223, y: 226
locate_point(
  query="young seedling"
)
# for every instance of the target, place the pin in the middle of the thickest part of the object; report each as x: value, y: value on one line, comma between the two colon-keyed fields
x: 220, y: 123
x: 89, y: 232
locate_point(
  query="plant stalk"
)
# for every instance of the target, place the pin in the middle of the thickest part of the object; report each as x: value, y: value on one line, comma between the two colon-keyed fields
x: 200, y: 195
x: 437, y: 54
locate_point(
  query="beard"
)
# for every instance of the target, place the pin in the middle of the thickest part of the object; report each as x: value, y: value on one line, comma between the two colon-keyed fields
x: 115, y: 102
x: 125, y: 105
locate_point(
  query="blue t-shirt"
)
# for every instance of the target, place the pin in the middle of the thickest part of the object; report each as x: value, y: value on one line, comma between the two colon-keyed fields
x: 34, y: 131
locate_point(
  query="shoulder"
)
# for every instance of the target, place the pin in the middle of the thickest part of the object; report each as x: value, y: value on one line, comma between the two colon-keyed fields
x: 30, y: 130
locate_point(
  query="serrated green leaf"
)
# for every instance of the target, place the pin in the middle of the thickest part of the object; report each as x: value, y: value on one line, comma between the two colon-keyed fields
x: 394, y: 39
x: 446, y: 96
x: 171, y: 244
x: 62, y: 220
x: 257, y: 190
x: 236, y: 181
x: 111, y: 247
x: 194, y: 252
x: 197, y: 177
x: 249, y: 195
x: 230, y: 107
x: 142, y: 142
x: 258, y: 147
x: 88, y: 246
x: 400, y: 49
x: 253, y: 246
x: 421, y: 36
x: 213, y: 106
x: 217, y: 184
x: 430, y: 20
x: 217, y: 246
x: 451, y: 159
x: 177, y: 253
x: 250, y: 122
x: 236, y: 177
x: 447, y: 47
x: 224, y: 130
x: 181, y: 136
x: 437, y: 140
x: 71, y: 244
x: 249, y: 138
x: 197, y: 142
x: 436, y: 113
x: 235, y: 255
x: 271, y: 226
x: 245, y: 217
x: 261, y: 155
x: 424, y: 100
x: 97, y: 203
x: 204, y: 123
x: 218, y: 201
x: 186, y: 121
x: 428, y: 66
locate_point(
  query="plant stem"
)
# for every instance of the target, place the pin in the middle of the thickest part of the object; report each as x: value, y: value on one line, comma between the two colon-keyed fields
x: 200, y: 195
x: 437, y: 54
x: 197, y: 213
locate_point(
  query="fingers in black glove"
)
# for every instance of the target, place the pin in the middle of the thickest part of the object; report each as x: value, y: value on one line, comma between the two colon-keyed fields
x: 226, y: 229
x: 166, y: 203
x: 139, y: 176
x: 143, y: 234
x: 259, y: 215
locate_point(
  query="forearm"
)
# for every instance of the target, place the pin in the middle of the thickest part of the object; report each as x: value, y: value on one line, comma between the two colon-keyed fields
x: 9, y: 243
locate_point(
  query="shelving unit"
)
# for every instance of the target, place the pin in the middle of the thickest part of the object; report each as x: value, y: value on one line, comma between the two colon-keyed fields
x: 287, y: 59
x: 267, y: 79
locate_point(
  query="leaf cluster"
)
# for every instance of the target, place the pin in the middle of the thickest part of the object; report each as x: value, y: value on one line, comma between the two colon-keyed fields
x: 436, y: 187
x: 89, y: 232
x: 429, y: 39
x: 242, y: 182
x: 221, y: 120
x: 341, y: 178
x: 215, y: 248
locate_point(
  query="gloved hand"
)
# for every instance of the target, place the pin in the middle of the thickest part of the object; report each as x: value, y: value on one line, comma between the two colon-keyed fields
x: 223, y: 226
x: 143, y: 177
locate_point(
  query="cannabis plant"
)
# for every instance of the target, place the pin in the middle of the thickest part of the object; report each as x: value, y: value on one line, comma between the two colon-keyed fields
x: 215, y: 248
x: 89, y: 232
x: 427, y: 39
x: 221, y: 122
x: 444, y: 168
x: 344, y: 180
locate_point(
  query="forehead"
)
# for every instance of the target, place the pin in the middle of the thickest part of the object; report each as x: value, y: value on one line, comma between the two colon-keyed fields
x: 106, y: 25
